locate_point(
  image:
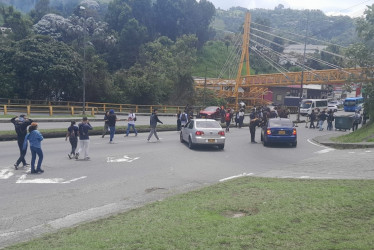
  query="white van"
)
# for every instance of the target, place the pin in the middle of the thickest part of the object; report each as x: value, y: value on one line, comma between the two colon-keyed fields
x: 308, y: 105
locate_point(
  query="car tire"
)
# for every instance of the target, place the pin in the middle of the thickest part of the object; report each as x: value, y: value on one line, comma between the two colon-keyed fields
x: 221, y: 146
x: 265, y: 143
x: 181, y: 137
x: 294, y: 144
x: 190, y: 144
x: 262, y: 137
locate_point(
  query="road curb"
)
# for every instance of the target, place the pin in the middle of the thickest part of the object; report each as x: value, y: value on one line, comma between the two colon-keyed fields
x: 326, y: 141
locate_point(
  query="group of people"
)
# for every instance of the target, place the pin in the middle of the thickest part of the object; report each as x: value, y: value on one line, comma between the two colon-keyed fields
x: 27, y: 132
x: 320, y: 117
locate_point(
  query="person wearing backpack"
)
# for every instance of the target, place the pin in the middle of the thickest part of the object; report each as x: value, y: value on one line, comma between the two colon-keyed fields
x: 20, y: 125
x: 153, y: 123
x: 35, y: 138
x: 84, y: 139
x: 184, y: 118
x: 72, y: 134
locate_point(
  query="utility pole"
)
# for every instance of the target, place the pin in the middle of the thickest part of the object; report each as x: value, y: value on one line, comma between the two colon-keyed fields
x: 84, y: 59
x: 302, y: 70
x: 206, y: 71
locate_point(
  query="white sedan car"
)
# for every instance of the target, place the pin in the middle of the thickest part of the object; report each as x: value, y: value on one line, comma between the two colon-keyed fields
x: 206, y: 132
x: 332, y: 107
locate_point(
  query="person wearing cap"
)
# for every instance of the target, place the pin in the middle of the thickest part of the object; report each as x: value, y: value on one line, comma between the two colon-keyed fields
x: 84, y: 139
x: 112, y: 119
x: 20, y: 125
x: 35, y: 138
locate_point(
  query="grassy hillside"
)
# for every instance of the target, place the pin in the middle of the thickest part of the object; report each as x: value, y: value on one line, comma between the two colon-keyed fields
x: 211, y: 61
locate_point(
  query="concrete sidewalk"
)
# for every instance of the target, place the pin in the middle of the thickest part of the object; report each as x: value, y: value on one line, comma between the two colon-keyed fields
x: 326, y: 141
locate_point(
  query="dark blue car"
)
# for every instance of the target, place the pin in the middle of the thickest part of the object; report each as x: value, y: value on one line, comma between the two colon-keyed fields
x: 279, y: 130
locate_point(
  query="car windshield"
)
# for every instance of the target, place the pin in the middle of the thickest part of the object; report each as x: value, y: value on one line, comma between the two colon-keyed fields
x: 207, y: 124
x: 306, y: 105
x: 210, y: 109
x: 280, y: 123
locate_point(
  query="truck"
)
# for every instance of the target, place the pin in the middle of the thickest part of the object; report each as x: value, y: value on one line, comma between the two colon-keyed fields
x: 292, y: 101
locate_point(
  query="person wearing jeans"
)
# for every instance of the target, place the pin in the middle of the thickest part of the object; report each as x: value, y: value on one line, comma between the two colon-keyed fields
x: 35, y: 138
x: 84, y: 139
x: 112, y: 119
x: 131, y: 123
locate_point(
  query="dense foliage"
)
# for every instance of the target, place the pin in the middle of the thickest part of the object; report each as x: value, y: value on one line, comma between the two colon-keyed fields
x: 136, y: 51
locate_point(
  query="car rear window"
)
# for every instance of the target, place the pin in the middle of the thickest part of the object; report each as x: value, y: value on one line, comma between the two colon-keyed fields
x: 207, y: 124
x: 280, y: 123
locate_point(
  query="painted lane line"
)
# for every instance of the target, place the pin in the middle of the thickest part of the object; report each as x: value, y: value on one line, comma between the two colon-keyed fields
x: 23, y: 180
x: 236, y: 176
x: 323, y: 151
x: 124, y: 158
x: 5, y: 174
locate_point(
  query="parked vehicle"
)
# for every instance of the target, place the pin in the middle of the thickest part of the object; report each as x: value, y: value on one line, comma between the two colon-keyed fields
x: 207, y: 132
x: 332, y: 107
x: 353, y: 104
x: 279, y: 130
x: 308, y: 105
x: 292, y: 101
x: 212, y: 112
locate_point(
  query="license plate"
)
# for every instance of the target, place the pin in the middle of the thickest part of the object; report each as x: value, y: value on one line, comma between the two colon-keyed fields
x: 211, y: 140
x: 281, y: 132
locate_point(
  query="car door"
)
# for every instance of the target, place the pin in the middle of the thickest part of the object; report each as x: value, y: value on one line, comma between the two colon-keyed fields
x: 186, y: 130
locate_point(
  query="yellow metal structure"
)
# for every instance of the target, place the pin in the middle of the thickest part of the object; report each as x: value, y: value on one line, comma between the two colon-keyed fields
x: 252, y: 88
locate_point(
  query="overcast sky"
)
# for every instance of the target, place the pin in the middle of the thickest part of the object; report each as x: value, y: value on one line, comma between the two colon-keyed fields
x: 352, y: 8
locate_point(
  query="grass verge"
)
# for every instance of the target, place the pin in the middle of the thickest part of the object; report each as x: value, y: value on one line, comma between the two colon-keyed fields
x: 364, y: 134
x: 246, y: 213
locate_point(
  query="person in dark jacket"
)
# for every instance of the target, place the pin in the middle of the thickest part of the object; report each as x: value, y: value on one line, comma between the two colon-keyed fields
x: 322, y: 118
x: 153, y: 123
x: 72, y: 134
x: 330, y: 119
x: 253, y: 123
x: 20, y: 125
x: 112, y: 119
x: 84, y: 139
x: 35, y: 138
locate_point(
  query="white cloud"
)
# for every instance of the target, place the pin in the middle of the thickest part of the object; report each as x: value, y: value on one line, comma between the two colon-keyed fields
x: 352, y: 8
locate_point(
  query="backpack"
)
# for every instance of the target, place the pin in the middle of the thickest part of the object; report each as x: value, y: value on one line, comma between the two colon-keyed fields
x: 227, y: 117
x: 183, y: 117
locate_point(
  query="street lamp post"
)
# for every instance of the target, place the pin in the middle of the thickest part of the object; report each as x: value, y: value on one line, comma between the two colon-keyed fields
x: 84, y: 60
x: 302, y: 70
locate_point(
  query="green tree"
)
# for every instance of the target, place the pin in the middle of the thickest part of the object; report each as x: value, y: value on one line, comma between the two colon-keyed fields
x: 41, y: 8
x: 21, y: 26
x: 45, y: 69
x: 362, y: 54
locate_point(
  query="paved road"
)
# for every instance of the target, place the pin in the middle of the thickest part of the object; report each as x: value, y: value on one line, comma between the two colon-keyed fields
x: 133, y: 172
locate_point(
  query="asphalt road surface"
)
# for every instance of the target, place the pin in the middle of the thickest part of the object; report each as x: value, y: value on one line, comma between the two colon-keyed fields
x: 133, y: 172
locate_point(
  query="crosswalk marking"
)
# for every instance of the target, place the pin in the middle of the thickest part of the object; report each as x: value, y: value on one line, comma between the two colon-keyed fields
x: 5, y: 174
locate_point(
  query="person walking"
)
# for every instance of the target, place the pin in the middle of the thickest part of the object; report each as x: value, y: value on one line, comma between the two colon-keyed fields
x: 179, y: 122
x: 312, y: 119
x: 112, y: 119
x: 72, y: 134
x: 20, y: 125
x: 106, y: 126
x: 153, y: 123
x: 357, y: 120
x: 131, y: 123
x: 330, y: 119
x: 322, y: 119
x: 228, y: 120
x: 241, y: 117
x: 84, y: 138
x: 254, y: 121
x: 35, y: 138
x: 184, y: 118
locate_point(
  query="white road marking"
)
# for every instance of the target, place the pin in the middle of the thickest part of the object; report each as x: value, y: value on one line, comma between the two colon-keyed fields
x: 323, y: 151
x: 125, y: 158
x: 5, y: 174
x: 368, y: 151
x: 23, y: 180
x: 351, y: 152
x: 236, y: 176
